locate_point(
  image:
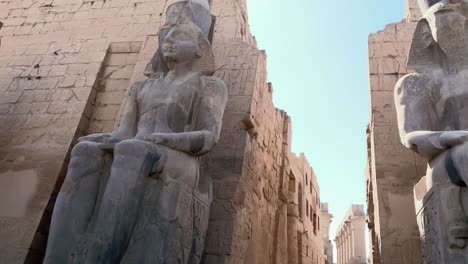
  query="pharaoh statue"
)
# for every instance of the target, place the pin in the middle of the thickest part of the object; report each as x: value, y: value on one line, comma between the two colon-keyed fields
x: 136, y: 195
x: 432, y: 110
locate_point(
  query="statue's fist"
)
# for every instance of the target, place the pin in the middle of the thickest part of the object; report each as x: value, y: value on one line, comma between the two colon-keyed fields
x: 452, y: 138
x: 105, y: 138
x: 155, y: 138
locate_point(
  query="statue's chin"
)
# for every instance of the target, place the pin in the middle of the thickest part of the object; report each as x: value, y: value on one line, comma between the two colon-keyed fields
x: 170, y: 62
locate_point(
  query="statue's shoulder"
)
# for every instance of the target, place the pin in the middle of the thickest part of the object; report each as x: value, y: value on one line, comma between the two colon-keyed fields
x: 214, y: 84
x: 414, y: 84
x: 139, y: 87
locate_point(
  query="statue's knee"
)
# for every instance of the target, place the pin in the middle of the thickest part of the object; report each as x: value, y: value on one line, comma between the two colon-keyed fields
x: 86, y: 149
x: 133, y: 147
x: 459, y: 156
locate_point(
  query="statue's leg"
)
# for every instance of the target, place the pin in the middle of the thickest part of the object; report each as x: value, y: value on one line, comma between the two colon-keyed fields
x: 457, y: 168
x: 75, y: 202
x: 121, y: 202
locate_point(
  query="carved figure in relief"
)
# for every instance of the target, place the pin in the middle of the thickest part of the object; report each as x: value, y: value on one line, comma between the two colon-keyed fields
x: 135, y: 195
x: 432, y: 109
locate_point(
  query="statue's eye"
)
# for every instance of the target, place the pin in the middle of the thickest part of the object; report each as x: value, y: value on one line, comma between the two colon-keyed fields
x: 182, y: 36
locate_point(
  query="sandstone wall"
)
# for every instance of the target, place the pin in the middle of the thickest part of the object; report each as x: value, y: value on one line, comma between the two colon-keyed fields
x: 393, y: 170
x: 325, y: 221
x: 65, y: 68
x: 305, y: 244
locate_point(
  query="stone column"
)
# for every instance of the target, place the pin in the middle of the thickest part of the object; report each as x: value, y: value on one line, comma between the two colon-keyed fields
x: 340, y: 250
x: 346, y: 247
x: 343, y: 250
x: 337, y: 250
x: 349, y: 241
x: 342, y: 247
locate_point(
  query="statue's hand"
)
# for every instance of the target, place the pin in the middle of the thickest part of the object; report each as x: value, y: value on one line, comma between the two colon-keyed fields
x: 155, y: 138
x: 452, y: 138
x: 105, y: 138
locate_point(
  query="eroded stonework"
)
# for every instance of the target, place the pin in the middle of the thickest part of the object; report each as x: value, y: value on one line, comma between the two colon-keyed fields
x: 65, y: 70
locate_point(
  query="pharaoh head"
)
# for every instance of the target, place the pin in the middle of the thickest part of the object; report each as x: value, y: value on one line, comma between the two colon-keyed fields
x: 441, y: 36
x: 183, y: 43
x: 184, y: 37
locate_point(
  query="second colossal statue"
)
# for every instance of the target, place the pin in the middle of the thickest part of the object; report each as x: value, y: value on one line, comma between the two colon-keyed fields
x: 432, y: 109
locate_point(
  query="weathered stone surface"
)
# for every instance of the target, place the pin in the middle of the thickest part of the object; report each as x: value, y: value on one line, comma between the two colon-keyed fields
x: 432, y: 119
x: 392, y: 169
x: 251, y: 214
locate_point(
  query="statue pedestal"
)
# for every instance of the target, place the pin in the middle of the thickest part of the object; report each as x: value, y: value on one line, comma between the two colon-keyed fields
x: 436, y: 222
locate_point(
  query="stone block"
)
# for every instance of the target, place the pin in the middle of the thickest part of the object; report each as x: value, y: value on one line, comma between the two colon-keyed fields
x: 115, y: 85
x: 113, y: 97
x: 120, y: 47
x: 107, y: 113
x: 57, y: 108
x: 68, y: 81
x: 62, y: 94
x: 20, y: 108
x: 132, y: 58
x: 47, y: 83
x: 22, y: 61
x: 84, y: 93
x: 39, y: 107
x: 116, y: 59
x: 118, y: 72
x: 4, y: 108
x: 58, y: 70
x: 30, y: 96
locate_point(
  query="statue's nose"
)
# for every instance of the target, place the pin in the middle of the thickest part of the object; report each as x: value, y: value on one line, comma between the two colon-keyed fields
x: 169, y: 39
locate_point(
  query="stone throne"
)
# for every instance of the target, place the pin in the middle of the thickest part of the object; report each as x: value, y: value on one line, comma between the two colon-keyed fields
x: 432, y: 115
x: 136, y: 195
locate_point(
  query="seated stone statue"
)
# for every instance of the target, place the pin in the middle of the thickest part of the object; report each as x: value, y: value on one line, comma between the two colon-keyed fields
x: 432, y: 108
x: 145, y: 201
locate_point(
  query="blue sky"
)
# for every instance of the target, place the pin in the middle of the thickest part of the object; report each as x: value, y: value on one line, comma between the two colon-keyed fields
x: 317, y: 62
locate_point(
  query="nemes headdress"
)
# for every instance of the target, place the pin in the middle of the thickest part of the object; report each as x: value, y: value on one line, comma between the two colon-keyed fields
x: 426, y: 5
x: 198, y: 13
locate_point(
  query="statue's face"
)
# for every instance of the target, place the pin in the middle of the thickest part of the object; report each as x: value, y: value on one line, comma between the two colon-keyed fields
x: 181, y: 44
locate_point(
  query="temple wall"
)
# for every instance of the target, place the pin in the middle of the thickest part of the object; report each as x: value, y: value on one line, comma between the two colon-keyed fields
x: 65, y: 69
x: 51, y: 55
x: 304, y: 193
x: 393, y: 170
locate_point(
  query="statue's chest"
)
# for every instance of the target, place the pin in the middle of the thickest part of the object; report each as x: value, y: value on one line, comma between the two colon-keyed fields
x: 453, y: 103
x: 169, y: 108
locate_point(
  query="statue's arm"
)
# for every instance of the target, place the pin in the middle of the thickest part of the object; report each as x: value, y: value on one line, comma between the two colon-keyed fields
x: 128, y: 123
x: 418, y: 121
x: 207, y: 124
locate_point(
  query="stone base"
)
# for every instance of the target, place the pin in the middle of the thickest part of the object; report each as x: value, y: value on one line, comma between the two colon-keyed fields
x: 442, y: 223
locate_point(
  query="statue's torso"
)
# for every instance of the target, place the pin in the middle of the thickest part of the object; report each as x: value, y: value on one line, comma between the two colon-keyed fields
x: 166, y: 108
x: 451, y: 100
